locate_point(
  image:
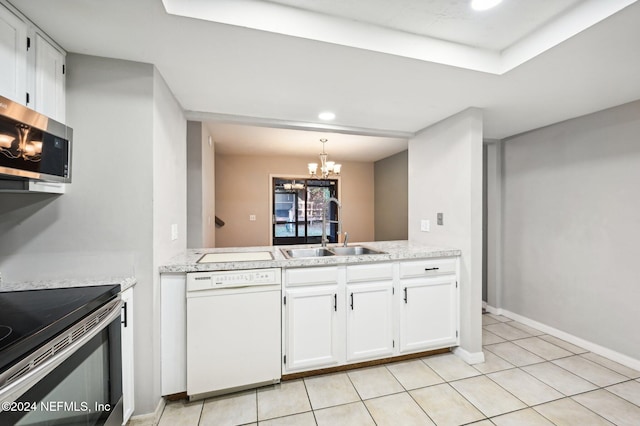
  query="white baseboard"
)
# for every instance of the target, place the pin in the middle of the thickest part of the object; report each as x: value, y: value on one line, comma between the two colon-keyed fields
x: 150, y: 419
x: 492, y: 310
x: 585, y: 344
x: 469, y: 357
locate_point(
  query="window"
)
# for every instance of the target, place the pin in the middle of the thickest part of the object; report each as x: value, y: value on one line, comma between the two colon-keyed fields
x: 297, y: 210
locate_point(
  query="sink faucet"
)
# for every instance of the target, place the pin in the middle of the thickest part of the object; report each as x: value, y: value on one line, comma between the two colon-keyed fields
x: 325, y: 240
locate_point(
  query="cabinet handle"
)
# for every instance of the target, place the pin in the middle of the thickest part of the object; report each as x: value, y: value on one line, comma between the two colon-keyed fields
x: 335, y: 302
x: 431, y: 269
x: 352, y: 301
x: 405, y: 295
x: 124, y: 321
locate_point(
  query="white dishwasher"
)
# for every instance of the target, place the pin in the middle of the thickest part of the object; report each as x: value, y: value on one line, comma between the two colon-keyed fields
x: 233, y: 330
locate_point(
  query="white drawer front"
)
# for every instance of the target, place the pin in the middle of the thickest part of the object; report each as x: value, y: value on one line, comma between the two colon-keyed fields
x: 312, y: 275
x: 427, y: 268
x: 372, y: 272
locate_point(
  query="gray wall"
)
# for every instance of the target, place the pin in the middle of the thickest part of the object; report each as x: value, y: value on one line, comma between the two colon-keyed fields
x: 445, y: 175
x: 102, y: 225
x: 114, y: 220
x: 391, y: 188
x: 194, y: 184
x: 200, y: 186
x: 493, y: 215
x: 571, y: 227
x: 169, y: 208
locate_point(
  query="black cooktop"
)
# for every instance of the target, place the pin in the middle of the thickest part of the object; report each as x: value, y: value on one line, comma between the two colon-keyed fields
x: 30, y: 318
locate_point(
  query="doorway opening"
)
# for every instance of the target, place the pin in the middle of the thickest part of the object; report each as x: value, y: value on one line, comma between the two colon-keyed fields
x: 297, y: 210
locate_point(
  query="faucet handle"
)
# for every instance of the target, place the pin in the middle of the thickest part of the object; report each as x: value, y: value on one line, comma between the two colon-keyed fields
x: 346, y: 239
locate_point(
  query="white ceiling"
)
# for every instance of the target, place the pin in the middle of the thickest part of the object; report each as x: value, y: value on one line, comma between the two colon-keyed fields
x: 506, y: 36
x: 241, y: 139
x: 527, y: 64
x: 448, y: 20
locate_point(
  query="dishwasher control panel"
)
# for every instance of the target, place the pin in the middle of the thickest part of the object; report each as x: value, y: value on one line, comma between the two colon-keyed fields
x: 227, y: 279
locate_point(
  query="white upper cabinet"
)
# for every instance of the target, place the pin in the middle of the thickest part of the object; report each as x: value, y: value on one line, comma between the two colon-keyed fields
x: 13, y: 56
x: 49, y: 93
x: 33, y: 66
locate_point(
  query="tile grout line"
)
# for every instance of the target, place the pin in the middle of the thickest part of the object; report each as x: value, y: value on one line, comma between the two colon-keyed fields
x: 409, y: 393
x: 597, y: 414
x: 472, y: 404
x: 257, y: 409
x: 201, y: 411
x: 628, y: 379
x: 528, y: 406
x: 313, y: 411
x: 598, y: 387
x: 602, y: 365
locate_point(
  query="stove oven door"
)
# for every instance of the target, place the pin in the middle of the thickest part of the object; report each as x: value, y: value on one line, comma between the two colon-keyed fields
x: 79, y: 384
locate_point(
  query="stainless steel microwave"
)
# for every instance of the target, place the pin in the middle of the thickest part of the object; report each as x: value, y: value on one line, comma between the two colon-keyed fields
x: 33, y: 146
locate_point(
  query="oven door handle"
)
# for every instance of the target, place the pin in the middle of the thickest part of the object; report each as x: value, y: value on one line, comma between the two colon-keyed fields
x: 14, y: 389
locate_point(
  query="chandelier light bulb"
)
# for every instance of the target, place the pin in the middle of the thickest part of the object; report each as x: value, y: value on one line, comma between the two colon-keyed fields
x: 327, y: 168
x: 6, y: 141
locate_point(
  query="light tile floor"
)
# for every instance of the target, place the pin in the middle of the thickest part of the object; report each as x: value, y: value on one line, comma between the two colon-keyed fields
x: 528, y: 378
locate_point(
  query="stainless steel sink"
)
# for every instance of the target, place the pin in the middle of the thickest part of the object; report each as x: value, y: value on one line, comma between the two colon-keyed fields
x: 297, y: 253
x: 306, y: 252
x: 354, y: 251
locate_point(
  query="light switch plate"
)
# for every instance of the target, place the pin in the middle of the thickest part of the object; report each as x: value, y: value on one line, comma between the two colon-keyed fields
x: 174, y: 231
x: 425, y: 225
x: 252, y: 217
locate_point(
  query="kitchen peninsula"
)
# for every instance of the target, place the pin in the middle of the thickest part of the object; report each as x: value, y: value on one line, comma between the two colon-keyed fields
x: 332, y: 310
x: 390, y: 251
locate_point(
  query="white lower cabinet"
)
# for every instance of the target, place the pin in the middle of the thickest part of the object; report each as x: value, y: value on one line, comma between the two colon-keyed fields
x: 369, y: 320
x: 352, y: 313
x: 428, y: 313
x: 128, y: 397
x: 311, y: 332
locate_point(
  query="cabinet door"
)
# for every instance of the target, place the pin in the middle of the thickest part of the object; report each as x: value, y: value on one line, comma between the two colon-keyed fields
x: 311, y: 330
x: 428, y: 313
x: 13, y: 56
x: 50, y: 80
x: 128, y: 397
x: 369, y: 320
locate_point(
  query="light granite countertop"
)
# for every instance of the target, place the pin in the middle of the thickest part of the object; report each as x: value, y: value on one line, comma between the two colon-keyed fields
x: 393, y: 250
x: 125, y: 283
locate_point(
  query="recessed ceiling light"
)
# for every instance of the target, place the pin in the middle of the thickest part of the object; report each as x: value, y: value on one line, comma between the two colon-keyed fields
x: 484, y: 4
x: 327, y: 116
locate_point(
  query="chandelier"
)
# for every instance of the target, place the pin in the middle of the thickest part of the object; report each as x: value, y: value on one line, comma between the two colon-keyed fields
x: 26, y: 149
x: 327, y: 168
